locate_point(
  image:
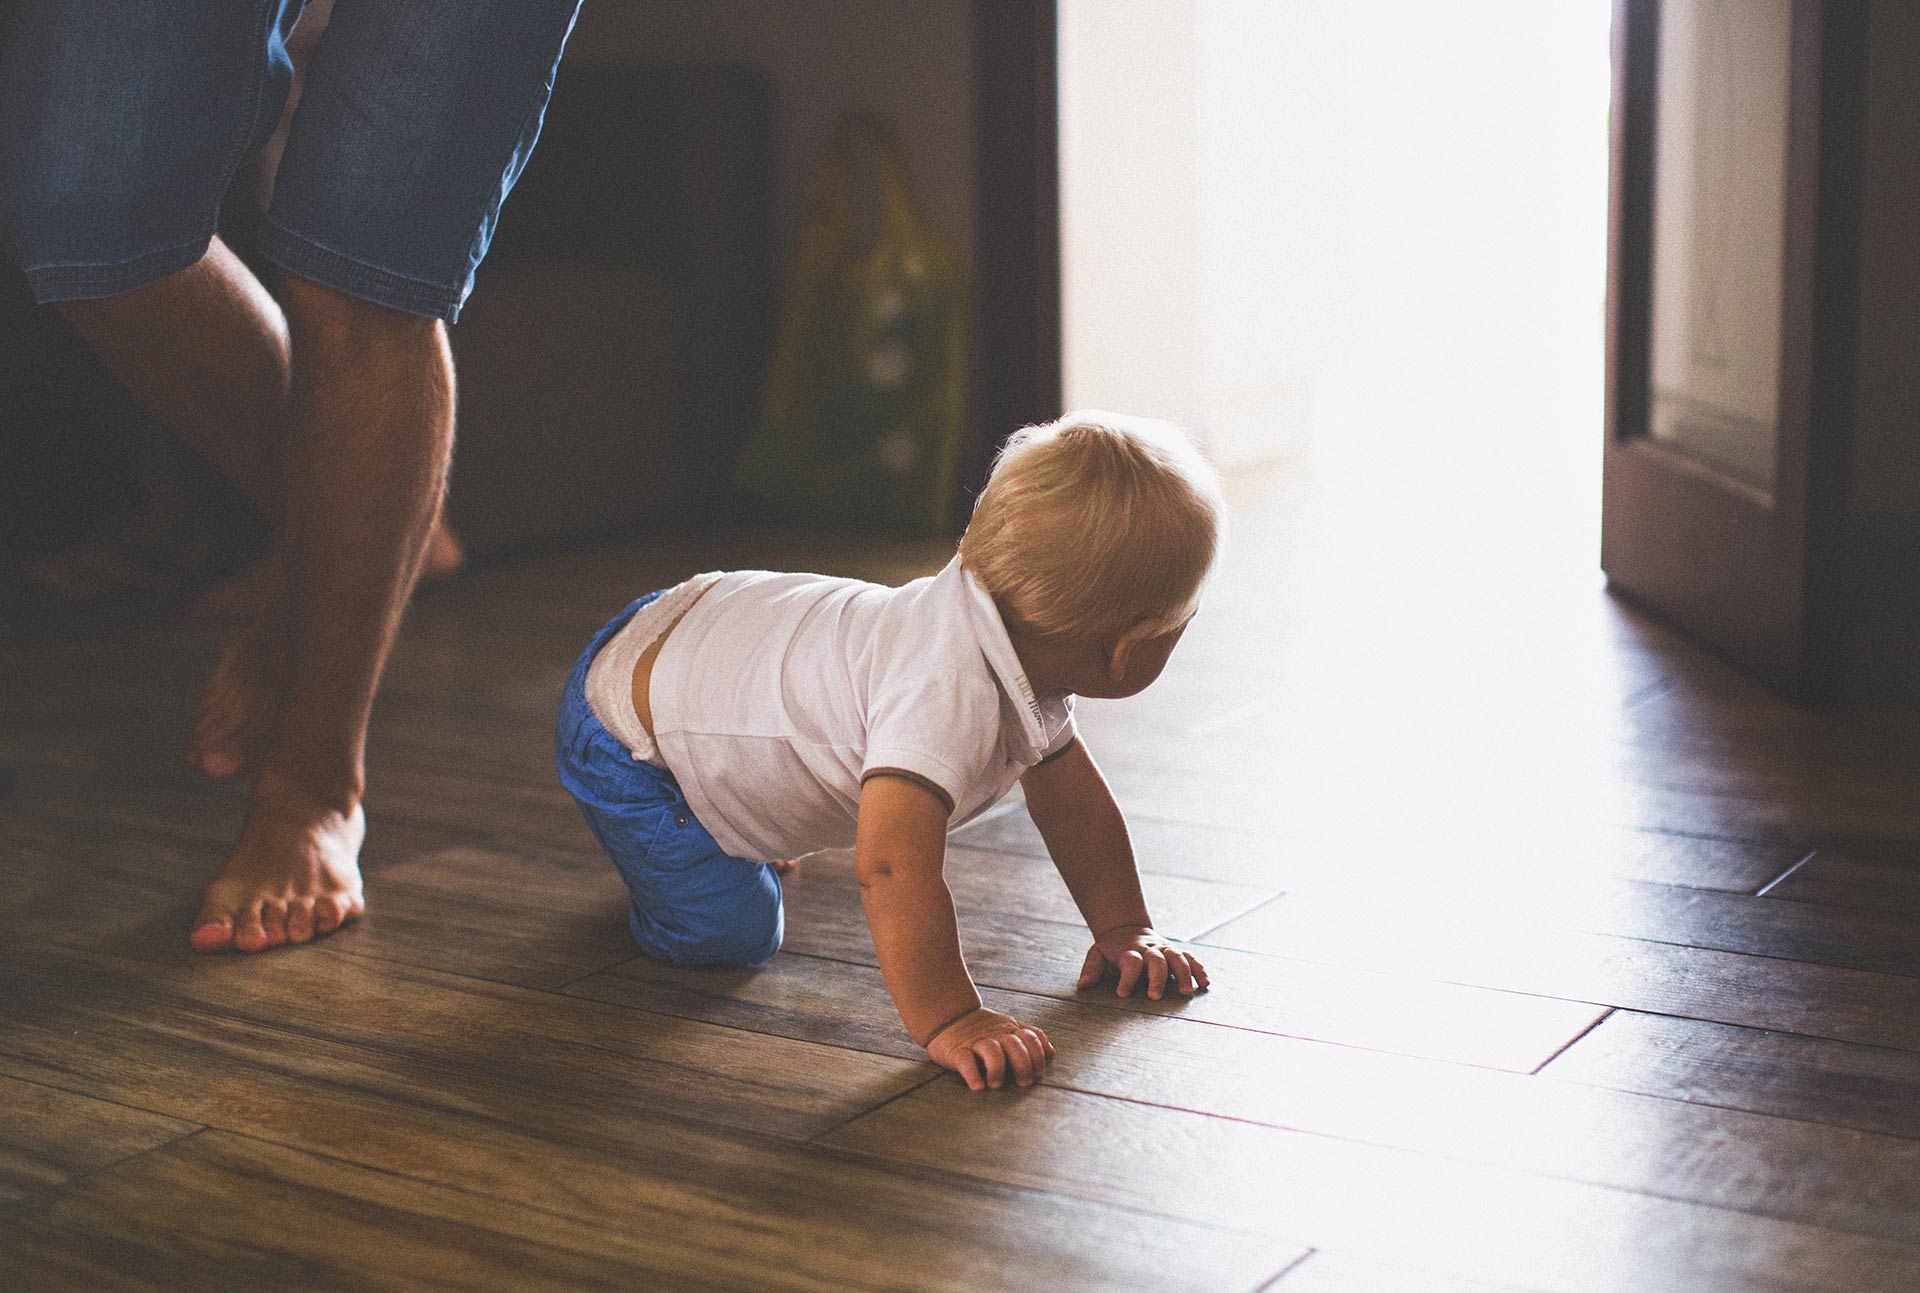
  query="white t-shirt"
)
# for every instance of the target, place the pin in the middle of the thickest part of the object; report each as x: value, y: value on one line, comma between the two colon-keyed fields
x: 777, y: 694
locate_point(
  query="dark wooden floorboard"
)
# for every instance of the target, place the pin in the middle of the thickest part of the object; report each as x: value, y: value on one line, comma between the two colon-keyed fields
x: 1433, y: 1213
x: 1888, y: 885
x: 1798, y: 1170
x: 49, y: 1136
x: 1271, y: 994
x: 1432, y: 827
x: 192, y: 1216
x: 1839, y: 1083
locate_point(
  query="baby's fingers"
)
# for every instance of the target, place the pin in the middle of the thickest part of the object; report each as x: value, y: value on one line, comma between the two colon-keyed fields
x: 1096, y: 965
x: 1132, y: 964
x: 968, y: 1067
x: 1043, y: 1047
x: 993, y: 1060
x: 1157, y: 971
x: 1183, y: 967
x: 1199, y: 971
x: 1024, y: 1058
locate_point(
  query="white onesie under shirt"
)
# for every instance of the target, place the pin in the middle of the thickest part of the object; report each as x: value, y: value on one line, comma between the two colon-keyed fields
x: 610, y: 677
x: 777, y: 694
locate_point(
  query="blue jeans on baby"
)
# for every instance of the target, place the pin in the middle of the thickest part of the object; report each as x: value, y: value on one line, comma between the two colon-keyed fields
x: 693, y: 904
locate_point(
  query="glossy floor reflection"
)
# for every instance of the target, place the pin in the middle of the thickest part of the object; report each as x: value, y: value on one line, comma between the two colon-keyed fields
x: 1548, y: 954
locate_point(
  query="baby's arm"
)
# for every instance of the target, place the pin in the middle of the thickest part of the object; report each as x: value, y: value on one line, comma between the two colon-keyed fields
x: 1087, y: 838
x: 899, y: 851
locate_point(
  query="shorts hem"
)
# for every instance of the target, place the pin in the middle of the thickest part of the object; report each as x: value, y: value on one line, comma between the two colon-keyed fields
x: 337, y: 270
x: 51, y: 283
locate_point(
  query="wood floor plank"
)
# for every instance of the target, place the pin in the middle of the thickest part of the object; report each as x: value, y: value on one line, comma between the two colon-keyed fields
x: 1887, y: 884
x: 1464, y: 1220
x: 1012, y: 884
x: 1297, y: 862
x: 1840, y: 1083
x: 1796, y: 1170
x: 1661, y: 978
x: 575, y: 1137
x: 191, y: 1217
x: 1270, y: 994
x: 513, y: 914
x: 1328, y: 1272
x: 242, y: 1015
x: 48, y: 1136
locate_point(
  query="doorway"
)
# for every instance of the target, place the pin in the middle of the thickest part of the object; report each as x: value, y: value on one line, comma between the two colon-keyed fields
x: 1361, y: 244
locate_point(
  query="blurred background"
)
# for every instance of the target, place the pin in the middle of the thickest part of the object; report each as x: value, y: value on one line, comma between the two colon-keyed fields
x: 1295, y: 227
x: 805, y: 265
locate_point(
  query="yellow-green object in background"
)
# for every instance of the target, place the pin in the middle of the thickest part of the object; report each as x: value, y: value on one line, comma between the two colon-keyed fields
x: 861, y: 419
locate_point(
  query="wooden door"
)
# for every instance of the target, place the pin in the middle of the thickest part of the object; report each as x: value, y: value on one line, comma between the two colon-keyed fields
x: 1732, y: 272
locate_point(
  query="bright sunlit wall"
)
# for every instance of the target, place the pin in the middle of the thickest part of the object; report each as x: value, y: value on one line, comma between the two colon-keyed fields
x: 1369, y: 229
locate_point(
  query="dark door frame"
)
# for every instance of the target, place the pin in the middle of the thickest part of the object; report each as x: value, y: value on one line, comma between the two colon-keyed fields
x: 1749, y: 572
x: 1016, y: 307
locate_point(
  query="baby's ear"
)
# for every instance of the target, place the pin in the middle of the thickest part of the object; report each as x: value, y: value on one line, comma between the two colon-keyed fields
x: 1122, y: 647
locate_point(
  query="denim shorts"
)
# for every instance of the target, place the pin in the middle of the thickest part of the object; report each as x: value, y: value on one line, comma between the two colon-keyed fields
x: 122, y: 123
x: 693, y: 904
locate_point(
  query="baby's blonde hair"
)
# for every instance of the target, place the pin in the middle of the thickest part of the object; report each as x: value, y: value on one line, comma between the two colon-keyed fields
x: 1095, y: 523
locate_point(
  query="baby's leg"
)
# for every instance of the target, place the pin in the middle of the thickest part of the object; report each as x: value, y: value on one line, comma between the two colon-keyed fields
x: 695, y: 905
x: 692, y: 903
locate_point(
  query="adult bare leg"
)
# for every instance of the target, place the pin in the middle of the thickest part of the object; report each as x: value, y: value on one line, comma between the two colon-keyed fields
x: 372, y: 433
x: 207, y: 351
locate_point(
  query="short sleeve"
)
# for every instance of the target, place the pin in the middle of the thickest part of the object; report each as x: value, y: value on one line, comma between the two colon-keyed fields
x: 940, y: 729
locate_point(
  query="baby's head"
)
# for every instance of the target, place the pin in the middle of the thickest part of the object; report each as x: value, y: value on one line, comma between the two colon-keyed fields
x: 1095, y: 535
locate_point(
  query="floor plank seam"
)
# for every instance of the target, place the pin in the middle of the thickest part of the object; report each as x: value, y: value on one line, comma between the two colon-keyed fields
x: 1652, y: 691
x: 378, y: 958
x: 813, y: 1141
x: 89, y: 1095
x: 1219, y: 925
x: 561, y: 988
x: 910, y: 1169
x: 1547, y: 996
x: 1479, y: 1163
x: 1272, y: 1281
x: 36, y: 1199
x: 739, y: 1028
x: 1574, y: 1040
x: 1770, y: 885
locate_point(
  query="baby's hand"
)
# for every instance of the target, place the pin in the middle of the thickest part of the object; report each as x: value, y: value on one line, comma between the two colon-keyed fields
x: 983, y: 1045
x: 1138, y: 955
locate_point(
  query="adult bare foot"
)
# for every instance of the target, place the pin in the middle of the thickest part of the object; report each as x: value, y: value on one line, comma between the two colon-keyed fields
x: 235, y: 718
x: 293, y: 876
x: 245, y: 595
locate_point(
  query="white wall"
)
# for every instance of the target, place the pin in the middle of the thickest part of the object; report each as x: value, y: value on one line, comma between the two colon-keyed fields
x: 1202, y: 279
x: 1130, y: 203
x: 1344, y: 221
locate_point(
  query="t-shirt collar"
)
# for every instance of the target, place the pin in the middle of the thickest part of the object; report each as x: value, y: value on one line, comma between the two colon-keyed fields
x: 1041, y: 717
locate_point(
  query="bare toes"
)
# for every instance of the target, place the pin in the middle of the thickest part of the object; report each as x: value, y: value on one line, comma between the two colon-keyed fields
x: 249, y: 935
x: 211, y: 934
x: 331, y: 911
x: 273, y: 919
x: 300, y: 920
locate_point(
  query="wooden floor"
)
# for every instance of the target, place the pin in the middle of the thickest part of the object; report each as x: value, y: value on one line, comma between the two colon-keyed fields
x: 1547, y: 954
